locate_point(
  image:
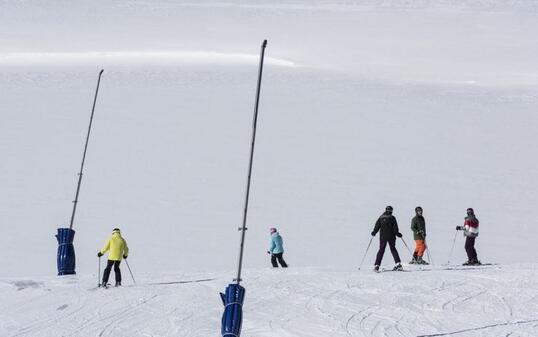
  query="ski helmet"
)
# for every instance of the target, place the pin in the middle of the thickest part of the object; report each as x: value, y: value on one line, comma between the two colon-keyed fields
x: 272, y: 230
x: 418, y: 208
x: 388, y: 209
x: 470, y: 210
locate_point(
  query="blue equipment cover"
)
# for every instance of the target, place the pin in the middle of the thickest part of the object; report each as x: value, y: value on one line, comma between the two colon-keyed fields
x: 233, y: 310
x: 66, y: 251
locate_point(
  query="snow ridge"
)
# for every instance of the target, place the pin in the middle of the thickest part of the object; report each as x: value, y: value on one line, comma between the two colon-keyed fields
x: 145, y: 57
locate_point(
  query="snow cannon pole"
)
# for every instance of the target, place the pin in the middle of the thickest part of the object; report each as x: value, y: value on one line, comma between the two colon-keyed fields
x: 84, y: 154
x: 66, y: 251
x: 247, y: 194
x: 234, y: 295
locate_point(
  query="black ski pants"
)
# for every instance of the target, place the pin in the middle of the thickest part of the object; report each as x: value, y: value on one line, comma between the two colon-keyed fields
x: 469, y: 248
x: 280, y: 258
x: 117, y: 271
x: 381, y: 252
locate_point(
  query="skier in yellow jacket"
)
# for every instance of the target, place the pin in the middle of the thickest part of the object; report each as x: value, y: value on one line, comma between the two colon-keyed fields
x: 118, y: 249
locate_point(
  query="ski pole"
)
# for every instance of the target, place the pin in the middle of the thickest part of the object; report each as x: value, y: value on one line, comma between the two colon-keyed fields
x: 127, y: 263
x: 453, y: 244
x: 99, y: 273
x: 428, y: 252
x: 406, y: 246
x: 366, y: 252
x: 429, y: 256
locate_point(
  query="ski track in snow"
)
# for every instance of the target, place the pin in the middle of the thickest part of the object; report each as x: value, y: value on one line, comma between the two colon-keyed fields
x: 72, y: 308
x: 302, y: 302
x: 332, y: 309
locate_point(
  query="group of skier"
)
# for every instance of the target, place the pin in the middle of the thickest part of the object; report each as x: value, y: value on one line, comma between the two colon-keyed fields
x: 117, y: 247
x: 387, y: 226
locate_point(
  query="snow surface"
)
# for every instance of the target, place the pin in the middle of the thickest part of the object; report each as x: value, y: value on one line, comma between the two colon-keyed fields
x: 364, y: 104
x: 485, y: 301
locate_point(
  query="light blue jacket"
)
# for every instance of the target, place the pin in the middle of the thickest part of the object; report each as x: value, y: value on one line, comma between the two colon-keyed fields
x: 276, y: 246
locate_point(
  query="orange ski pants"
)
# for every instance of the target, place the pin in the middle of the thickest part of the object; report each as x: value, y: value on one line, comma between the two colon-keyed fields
x: 420, y: 247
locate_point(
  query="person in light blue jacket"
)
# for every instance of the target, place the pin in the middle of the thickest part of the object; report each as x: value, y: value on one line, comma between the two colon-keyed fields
x: 276, y: 249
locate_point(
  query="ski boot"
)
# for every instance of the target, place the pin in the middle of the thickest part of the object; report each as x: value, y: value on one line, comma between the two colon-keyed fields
x: 414, y: 260
x: 421, y: 261
x: 118, y: 284
x: 475, y: 263
x: 376, y: 269
x: 398, y: 267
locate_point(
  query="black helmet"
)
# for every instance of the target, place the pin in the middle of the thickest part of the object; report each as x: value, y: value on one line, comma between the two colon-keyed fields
x: 418, y: 208
x: 470, y: 210
x: 388, y: 209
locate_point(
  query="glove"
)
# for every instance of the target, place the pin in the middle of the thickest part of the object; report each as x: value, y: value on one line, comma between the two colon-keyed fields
x: 399, y: 235
x: 373, y: 233
x: 99, y: 254
x: 459, y: 228
x: 268, y: 252
x: 124, y: 256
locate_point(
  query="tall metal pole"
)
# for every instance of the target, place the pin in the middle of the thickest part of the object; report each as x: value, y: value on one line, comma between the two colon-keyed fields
x: 84, y: 155
x: 244, y: 227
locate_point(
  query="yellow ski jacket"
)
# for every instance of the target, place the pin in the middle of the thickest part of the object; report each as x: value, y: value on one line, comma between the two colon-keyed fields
x: 117, y: 246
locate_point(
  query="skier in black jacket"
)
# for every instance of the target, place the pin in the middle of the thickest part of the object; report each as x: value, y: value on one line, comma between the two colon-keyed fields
x: 388, y: 228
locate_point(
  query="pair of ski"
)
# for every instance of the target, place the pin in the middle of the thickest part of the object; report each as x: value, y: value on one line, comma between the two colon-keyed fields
x: 449, y: 267
x: 380, y: 270
x: 108, y: 286
x: 469, y: 267
x: 100, y: 286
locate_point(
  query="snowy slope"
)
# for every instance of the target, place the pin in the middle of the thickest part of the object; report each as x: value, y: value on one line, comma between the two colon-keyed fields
x: 167, y: 164
x: 364, y: 104
x: 306, y: 302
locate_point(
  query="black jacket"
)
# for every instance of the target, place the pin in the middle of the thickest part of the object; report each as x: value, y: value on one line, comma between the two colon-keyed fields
x: 387, y: 226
